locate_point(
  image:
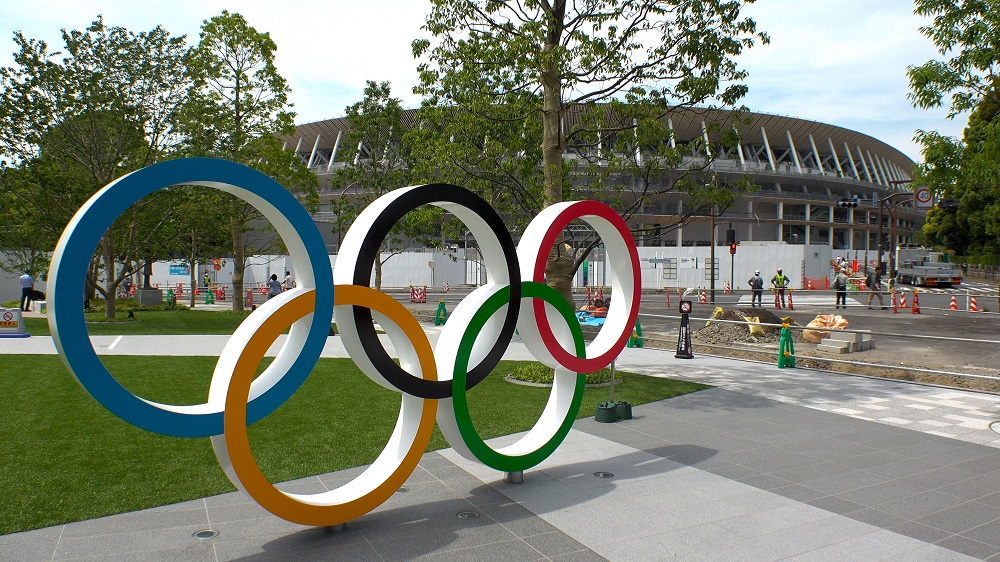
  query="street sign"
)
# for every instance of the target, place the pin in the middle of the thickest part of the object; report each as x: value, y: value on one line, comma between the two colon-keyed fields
x: 922, y: 198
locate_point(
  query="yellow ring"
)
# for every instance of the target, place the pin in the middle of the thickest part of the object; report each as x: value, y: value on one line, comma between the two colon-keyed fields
x: 298, y: 508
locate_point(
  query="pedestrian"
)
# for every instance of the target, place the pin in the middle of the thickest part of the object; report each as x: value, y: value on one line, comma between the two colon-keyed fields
x: 840, y: 285
x: 27, y: 286
x: 273, y: 286
x: 756, y: 289
x: 288, y: 283
x: 208, y: 280
x: 779, y: 283
x: 874, y: 283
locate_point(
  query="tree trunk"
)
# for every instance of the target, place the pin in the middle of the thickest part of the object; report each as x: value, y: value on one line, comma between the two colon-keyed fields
x: 378, y: 273
x: 558, y: 271
x: 239, y: 262
x: 110, y: 302
x: 192, y: 267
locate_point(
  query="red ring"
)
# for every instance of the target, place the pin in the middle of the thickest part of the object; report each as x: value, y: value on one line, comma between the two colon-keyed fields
x: 572, y: 212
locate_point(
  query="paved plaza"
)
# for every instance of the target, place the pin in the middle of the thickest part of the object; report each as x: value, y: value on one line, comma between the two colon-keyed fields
x: 769, y: 465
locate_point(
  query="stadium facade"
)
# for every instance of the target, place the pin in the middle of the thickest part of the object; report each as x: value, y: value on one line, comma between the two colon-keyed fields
x: 806, y: 169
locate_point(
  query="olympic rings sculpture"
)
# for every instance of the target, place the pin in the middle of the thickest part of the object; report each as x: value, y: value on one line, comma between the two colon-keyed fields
x: 433, y: 382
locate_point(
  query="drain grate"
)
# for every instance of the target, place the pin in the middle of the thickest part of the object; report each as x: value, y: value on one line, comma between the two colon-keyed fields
x: 602, y: 474
x: 205, y: 534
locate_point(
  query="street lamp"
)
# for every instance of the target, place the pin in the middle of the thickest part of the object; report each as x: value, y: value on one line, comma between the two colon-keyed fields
x: 892, y: 229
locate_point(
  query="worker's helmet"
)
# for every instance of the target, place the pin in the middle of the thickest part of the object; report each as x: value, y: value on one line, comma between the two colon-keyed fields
x: 756, y: 272
x: 779, y: 270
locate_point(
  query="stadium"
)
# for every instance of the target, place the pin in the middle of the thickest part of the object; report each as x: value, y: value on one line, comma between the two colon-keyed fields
x: 823, y: 192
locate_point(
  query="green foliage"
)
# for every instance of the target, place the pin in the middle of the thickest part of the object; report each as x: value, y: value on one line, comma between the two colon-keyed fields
x: 237, y: 104
x: 541, y: 374
x: 377, y: 161
x: 510, y: 89
x: 73, y: 124
x: 967, y: 34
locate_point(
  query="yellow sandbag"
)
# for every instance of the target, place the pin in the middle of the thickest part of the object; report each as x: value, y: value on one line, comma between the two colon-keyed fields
x: 753, y: 322
x: 831, y: 321
x: 717, y: 313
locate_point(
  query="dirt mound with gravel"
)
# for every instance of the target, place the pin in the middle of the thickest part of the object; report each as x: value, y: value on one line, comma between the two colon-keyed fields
x: 723, y: 333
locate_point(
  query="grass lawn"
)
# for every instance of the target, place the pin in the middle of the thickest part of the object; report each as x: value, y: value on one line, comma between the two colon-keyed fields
x: 158, y: 322
x: 65, y: 458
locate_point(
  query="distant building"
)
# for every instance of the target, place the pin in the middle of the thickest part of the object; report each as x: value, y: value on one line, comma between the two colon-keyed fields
x: 806, y: 170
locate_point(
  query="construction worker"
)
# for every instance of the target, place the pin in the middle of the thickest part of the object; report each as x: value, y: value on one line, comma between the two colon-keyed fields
x: 779, y: 283
x: 756, y: 289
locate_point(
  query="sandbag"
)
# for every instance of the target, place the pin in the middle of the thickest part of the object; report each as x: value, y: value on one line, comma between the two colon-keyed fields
x: 753, y: 322
x: 830, y: 321
x: 716, y: 314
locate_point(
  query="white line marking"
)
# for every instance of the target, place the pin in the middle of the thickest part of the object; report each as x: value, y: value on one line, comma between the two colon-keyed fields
x: 114, y: 343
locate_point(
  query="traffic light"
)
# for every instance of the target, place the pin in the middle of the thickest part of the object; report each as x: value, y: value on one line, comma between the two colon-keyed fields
x: 732, y: 249
x: 848, y: 202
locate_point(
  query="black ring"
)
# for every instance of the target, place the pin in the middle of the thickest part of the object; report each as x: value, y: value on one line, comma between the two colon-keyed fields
x: 431, y: 194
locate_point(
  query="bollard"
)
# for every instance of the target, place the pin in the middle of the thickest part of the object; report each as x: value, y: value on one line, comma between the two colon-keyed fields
x: 777, y: 300
x: 916, y: 302
x: 441, y: 316
x: 786, y: 348
x: 667, y: 290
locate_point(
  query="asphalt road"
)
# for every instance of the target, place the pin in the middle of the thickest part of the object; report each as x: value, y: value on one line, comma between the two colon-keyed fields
x: 891, y: 329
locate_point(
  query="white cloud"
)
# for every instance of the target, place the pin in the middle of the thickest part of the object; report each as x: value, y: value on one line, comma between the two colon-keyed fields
x: 841, y: 62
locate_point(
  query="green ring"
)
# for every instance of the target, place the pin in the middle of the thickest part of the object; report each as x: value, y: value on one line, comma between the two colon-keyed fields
x: 477, y: 446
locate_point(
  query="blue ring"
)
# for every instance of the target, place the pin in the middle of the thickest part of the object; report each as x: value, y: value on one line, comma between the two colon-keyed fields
x: 79, y: 241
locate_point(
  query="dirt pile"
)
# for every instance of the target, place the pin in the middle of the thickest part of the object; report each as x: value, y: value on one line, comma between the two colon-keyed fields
x: 724, y: 333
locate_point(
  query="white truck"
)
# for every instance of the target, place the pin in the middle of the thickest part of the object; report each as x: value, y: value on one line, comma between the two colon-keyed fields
x: 924, y: 268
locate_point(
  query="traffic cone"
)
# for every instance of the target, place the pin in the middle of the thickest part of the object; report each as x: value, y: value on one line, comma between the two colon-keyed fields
x: 703, y: 299
x: 973, y: 307
x: 777, y: 300
x: 954, y: 304
x: 729, y: 289
x: 790, y: 305
x: 668, y: 296
x: 902, y: 299
x: 916, y: 303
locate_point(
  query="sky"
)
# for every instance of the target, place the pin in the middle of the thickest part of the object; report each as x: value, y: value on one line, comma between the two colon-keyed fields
x: 841, y: 62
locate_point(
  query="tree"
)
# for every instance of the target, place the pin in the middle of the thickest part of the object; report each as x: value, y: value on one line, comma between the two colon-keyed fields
x: 237, y: 105
x: 967, y: 34
x: 504, y: 80
x: 72, y: 125
x: 376, y: 162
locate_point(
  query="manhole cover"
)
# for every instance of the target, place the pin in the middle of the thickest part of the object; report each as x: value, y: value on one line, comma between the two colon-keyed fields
x: 601, y: 474
x: 205, y: 534
x: 468, y: 515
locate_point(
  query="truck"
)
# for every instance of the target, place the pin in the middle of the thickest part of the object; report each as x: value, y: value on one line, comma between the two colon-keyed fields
x: 923, y: 268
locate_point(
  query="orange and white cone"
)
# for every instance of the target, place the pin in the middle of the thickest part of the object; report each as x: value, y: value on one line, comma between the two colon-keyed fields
x: 895, y: 304
x: 703, y: 299
x: 954, y: 303
x: 973, y: 307
x: 790, y: 305
x: 916, y: 303
x: 902, y: 299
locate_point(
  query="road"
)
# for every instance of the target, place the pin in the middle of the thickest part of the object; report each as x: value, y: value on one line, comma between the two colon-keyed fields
x: 934, y: 320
